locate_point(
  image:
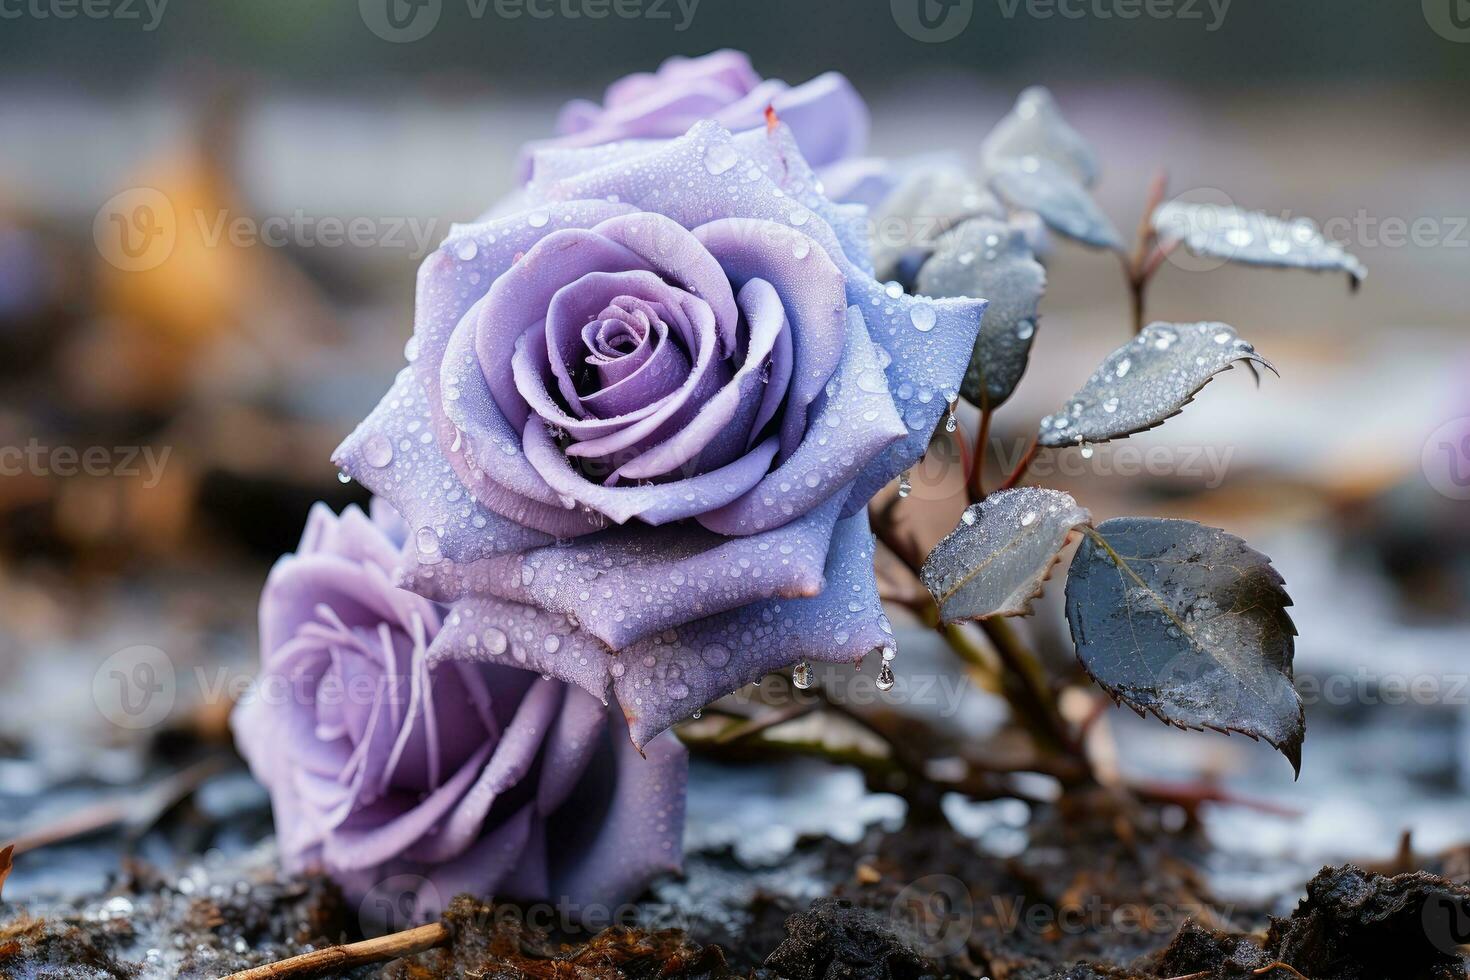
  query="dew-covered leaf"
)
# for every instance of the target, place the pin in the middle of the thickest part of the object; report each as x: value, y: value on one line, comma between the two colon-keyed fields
x: 993, y: 260
x: 1255, y: 238
x: 995, y: 561
x: 1040, y: 185
x: 1188, y: 623
x: 1146, y: 381
x: 1036, y: 128
x: 932, y: 198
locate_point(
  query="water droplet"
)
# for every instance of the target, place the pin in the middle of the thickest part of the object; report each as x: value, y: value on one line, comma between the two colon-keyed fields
x: 801, y: 676
x: 885, y: 678
x: 968, y: 517
x: 1025, y: 329
x: 377, y: 450
x: 343, y: 477
x: 720, y: 158
x: 1122, y: 367
x: 904, y: 486
x: 801, y: 248
x: 427, y: 541
x: 1086, y: 452
x: 894, y: 290
x: 538, y: 219
x: 923, y: 317
x: 467, y: 250
x: 1029, y: 518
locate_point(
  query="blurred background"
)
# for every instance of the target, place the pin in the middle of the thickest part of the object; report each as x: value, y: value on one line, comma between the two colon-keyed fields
x: 166, y: 421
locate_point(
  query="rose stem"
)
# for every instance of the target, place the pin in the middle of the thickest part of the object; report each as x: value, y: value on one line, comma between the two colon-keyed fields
x: 1138, y: 269
x: 976, y: 484
x: 1024, y: 684
x: 319, y: 961
x: 1019, y: 473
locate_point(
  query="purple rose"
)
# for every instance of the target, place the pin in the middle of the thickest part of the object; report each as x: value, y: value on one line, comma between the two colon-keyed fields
x: 826, y: 115
x: 643, y: 418
x: 470, y: 777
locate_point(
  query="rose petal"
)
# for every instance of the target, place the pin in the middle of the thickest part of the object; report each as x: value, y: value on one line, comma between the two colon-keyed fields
x: 629, y: 583
x: 573, y: 742
x: 496, y: 631
x: 390, y: 455
x: 668, y: 677
x: 855, y: 420
x: 609, y: 849
x: 654, y: 503
x: 725, y: 424
x: 512, y: 759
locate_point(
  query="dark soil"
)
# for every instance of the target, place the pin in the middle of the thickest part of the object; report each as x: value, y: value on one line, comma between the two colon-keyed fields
x: 1099, y: 893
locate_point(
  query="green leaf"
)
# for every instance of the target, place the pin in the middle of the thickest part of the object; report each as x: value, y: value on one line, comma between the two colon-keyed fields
x: 995, y: 561
x: 1254, y: 238
x: 990, y: 259
x: 1147, y: 381
x: 1188, y: 623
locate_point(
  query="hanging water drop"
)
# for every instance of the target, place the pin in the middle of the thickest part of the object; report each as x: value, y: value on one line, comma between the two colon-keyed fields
x: 801, y: 676
x: 885, y: 677
x: 904, y: 486
x: 950, y: 422
x: 1086, y: 451
x: 342, y: 477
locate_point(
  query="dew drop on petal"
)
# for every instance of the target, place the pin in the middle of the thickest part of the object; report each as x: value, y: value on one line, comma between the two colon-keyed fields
x: 720, y: 158
x: 923, y: 317
x: 377, y: 450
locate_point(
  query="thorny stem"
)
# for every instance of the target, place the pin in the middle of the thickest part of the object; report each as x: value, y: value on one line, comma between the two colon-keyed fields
x: 338, y: 958
x: 1019, y: 473
x: 1023, y: 682
x: 1146, y: 258
x: 976, y: 482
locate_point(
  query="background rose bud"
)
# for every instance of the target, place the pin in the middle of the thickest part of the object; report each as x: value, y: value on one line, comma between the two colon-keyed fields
x: 472, y: 777
x: 826, y: 115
